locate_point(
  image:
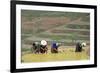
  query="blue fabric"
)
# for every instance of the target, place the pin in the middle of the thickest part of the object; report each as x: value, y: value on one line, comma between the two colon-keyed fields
x: 54, y: 45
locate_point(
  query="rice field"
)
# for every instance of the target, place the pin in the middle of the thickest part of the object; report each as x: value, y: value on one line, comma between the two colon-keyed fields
x: 66, y: 54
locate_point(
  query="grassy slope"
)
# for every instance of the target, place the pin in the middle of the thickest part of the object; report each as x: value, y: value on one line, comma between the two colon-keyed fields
x: 29, y: 14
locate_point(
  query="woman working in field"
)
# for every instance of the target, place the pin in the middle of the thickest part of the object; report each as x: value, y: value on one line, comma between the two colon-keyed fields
x: 54, y: 47
x: 35, y: 47
x: 43, y: 48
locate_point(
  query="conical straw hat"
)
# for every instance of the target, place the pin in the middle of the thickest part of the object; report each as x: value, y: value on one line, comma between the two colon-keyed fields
x: 43, y: 42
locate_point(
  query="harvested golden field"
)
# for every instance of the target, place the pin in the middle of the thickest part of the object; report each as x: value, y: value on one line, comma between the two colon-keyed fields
x: 63, y: 55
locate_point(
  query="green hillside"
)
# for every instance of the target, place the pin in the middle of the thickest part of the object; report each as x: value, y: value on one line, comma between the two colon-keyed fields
x: 64, y: 27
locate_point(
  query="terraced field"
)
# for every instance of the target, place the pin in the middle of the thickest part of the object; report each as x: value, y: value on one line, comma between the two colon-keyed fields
x: 64, y: 27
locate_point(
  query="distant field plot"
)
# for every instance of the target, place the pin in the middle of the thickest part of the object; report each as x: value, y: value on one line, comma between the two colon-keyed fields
x: 64, y: 27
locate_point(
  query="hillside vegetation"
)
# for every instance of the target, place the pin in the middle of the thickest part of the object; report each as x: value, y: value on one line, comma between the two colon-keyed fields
x: 65, y: 27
